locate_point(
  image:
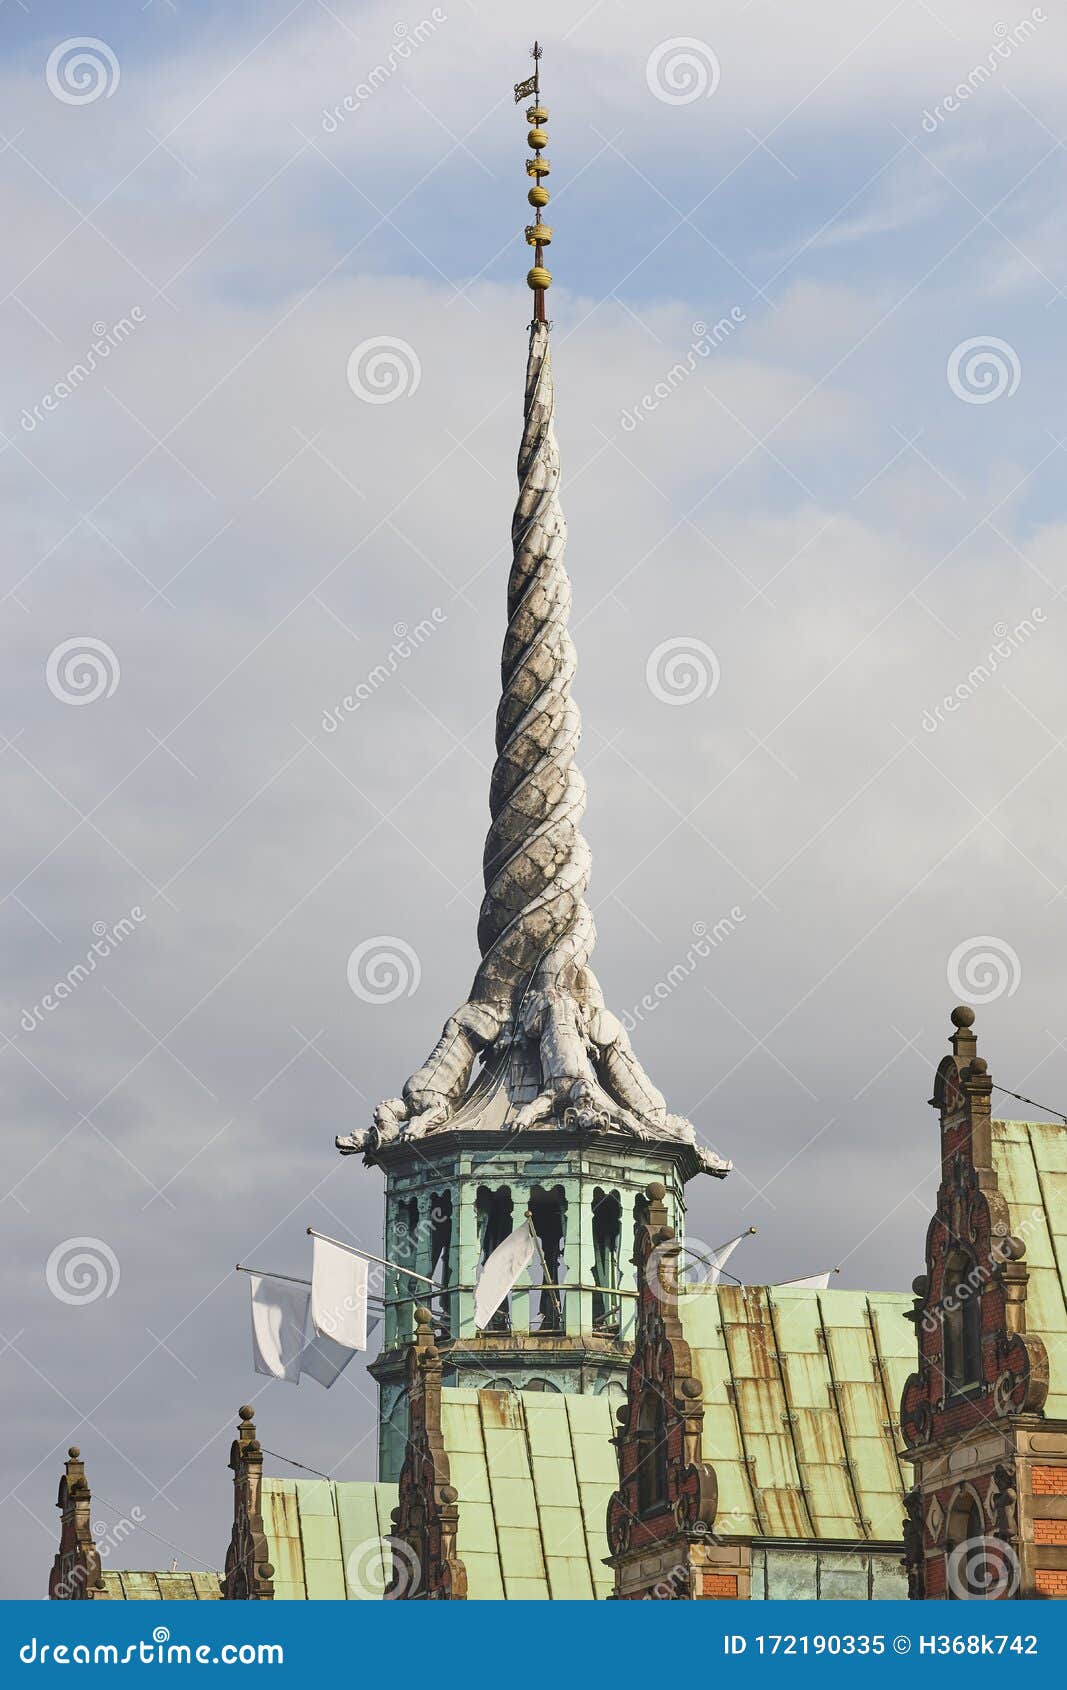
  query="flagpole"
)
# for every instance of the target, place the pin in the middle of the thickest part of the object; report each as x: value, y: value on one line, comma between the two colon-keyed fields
x: 721, y: 1270
x: 289, y: 1279
x: 262, y: 1274
x: 715, y: 1266
x: 747, y: 1234
x: 544, y: 1269
x: 381, y: 1260
x: 805, y: 1280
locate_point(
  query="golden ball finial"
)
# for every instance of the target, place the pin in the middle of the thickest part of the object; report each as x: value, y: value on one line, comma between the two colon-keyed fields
x: 538, y: 196
x: 537, y: 139
x: 539, y: 277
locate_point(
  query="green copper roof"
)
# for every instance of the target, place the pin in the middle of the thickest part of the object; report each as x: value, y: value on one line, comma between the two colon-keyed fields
x: 801, y: 1397
x: 327, y: 1539
x: 165, y: 1587
x: 328, y: 1542
x: 1031, y: 1164
x: 534, y: 1471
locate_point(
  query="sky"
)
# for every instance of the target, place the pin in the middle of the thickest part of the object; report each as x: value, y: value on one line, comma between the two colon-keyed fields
x: 809, y: 303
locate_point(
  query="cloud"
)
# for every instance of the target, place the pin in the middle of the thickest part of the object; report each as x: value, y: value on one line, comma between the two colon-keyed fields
x: 215, y: 503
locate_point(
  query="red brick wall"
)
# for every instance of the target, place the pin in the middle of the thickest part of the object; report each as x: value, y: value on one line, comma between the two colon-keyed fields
x: 1051, y: 1584
x: 1050, y: 1531
x: 1048, y: 1481
x: 935, y: 1578
x: 718, y: 1585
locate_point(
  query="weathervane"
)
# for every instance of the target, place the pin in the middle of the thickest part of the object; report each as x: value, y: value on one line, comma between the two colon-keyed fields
x: 538, y: 234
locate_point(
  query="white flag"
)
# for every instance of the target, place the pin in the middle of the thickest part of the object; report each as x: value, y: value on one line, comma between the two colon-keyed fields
x: 501, y: 1271
x: 714, y: 1262
x: 339, y: 1295
x: 279, y: 1316
x: 817, y: 1282
x: 324, y: 1361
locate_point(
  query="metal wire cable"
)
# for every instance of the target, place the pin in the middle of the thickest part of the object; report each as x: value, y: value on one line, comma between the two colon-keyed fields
x: 1060, y: 1116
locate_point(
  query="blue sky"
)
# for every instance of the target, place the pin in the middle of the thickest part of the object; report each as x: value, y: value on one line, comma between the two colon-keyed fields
x: 817, y: 501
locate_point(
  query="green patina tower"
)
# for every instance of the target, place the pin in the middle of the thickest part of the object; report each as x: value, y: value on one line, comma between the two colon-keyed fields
x: 532, y: 1101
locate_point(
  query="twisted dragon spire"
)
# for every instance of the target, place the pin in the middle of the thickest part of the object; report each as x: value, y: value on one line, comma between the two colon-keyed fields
x: 535, y: 926
x: 552, y: 1054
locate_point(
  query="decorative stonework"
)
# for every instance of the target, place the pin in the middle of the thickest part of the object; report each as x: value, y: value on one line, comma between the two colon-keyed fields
x: 660, y: 1520
x: 970, y: 1412
x: 972, y: 1260
x: 913, y: 1560
x: 552, y: 1053
x: 425, y: 1564
x: 249, y: 1574
x: 76, y: 1574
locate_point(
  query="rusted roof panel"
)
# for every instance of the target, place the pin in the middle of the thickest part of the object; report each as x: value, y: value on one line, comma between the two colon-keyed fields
x: 807, y: 1379
x: 783, y: 1513
x: 327, y: 1540
x: 533, y: 1491
x: 801, y: 1389
x: 167, y: 1587
x: 752, y: 1351
x: 863, y: 1412
x: 761, y: 1404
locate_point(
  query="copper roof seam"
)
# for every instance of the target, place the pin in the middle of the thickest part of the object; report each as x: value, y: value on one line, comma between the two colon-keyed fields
x: 492, y: 1498
x: 300, y: 1529
x: 581, y: 1507
x: 524, y: 1421
x: 883, y: 1375
x: 746, y: 1460
x: 782, y: 1377
x: 861, y: 1520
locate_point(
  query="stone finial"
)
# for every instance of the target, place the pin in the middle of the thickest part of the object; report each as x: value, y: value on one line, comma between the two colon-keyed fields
x: 964, y: 1041
x: 977, y: 1085
x: 249, y: 1574
x: 964, y: 1074
x: 74, y: 1480
x: 245, y: 1446
x: 425, y: 1337
x: 76, y: 1574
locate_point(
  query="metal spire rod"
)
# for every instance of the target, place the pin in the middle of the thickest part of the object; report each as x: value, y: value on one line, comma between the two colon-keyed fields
x: 538, y: 234
x: 381, y: 1260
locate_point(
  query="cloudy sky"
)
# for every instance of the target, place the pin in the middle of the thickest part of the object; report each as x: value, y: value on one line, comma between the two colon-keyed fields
x: 784, y: 559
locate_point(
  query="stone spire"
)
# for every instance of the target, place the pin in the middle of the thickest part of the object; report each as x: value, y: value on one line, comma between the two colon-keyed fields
x: 552, y: 1052
x: 535, y: 924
